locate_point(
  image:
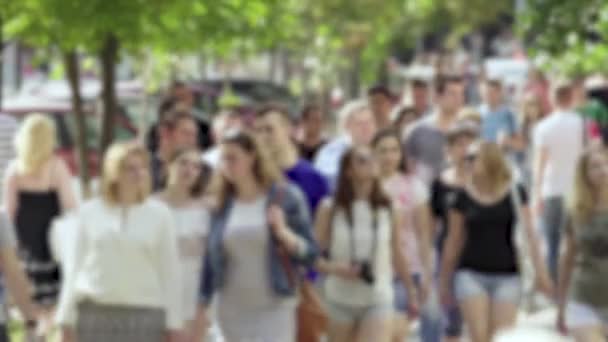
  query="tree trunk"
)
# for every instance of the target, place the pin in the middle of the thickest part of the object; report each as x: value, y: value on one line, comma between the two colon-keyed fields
x: 108, y: 57
x: 70, y: 60
x: 354, y: 82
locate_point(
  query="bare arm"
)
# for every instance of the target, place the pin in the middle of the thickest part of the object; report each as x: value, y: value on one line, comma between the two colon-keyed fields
x: 10, y: 189
x: 17, y: 283
x: 323, y: 235
x: 63, y: 183
x: 399, y: 261
x: 540, y: 267
x: 541, y: 155
x: 424, y: 233
x: 453, y: 247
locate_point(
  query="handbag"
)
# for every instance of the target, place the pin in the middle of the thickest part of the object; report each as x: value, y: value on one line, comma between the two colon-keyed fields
x: 312, y: 320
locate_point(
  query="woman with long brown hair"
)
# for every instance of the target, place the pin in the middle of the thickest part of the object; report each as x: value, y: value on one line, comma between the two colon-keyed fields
x: 360, y: 231
x: 480, y: 246
x: 583, y: 276
x: 260, y: 232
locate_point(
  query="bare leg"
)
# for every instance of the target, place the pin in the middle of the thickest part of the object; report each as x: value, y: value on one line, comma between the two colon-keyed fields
x: 476, y: 312
x: 401, y: 327
x: 504, y: 316
x: 341, y: 332
x: 377, y: 329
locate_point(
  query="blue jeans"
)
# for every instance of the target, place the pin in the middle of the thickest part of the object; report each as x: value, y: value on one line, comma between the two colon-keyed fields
x: 431, y: 327
x: 499, y: 287
x: 553, y: 221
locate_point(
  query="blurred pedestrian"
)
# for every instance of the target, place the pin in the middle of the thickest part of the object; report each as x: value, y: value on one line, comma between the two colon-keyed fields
x: 8, y: 127
x: 381, y: 102
x: 260, y: 232
x: 360, y: 231
x: 311, y: 136
x: 426, y: 139
x: 421, y: 97
x: 529, y: 116
x: 274, y: 127
x: 224, y: 121
x: 583, y: 276
x: 411, y: 196
x: 38, y: 189
x: 480, y: 245
x: 469, y: 115
x: 443, y: 192
x: 177, y: 131
x: 356, y: 128
x: 402, y: 118
x: 186, y: 183
x: 555, y: 156
x: 538, y: 85
x: 498, y: 123
x: 123, y: 282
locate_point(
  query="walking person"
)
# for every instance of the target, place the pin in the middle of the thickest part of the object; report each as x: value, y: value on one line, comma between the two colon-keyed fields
x: 443, y: 192
x: 381, y: 102
x: 357, y: 127
x: 37, y: 189
x: 480, y: 245
x: 187, y: 179
x: 555, y: 156
x: 311, y: 136
x: 412, y: 198
x: 123, y: 283
x: 260, y: 232
x: 583, y: 308
x: 360, y: 231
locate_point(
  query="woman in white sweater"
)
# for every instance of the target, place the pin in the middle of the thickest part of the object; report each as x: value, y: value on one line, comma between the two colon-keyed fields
x: 123, y: 283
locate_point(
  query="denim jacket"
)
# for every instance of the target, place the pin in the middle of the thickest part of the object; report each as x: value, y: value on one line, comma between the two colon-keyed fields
x: 299, y: 221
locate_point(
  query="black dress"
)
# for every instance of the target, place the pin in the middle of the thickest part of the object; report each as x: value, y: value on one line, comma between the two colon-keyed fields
x: 35, y: 214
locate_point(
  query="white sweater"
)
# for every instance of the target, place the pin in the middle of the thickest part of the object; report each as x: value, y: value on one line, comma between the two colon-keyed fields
x: 123, y: 257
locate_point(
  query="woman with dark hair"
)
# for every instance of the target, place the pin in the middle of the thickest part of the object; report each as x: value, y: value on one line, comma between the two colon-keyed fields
x: 360, y: 231
x: 260, y: 232
x: 411, y: 196
x: 187, y: 178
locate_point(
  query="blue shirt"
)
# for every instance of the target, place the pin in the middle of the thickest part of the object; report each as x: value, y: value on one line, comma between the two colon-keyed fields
x: 310, y: 181
x: 501, y: 119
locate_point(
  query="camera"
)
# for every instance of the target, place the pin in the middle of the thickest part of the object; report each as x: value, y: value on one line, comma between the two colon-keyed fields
x: 367, y: 273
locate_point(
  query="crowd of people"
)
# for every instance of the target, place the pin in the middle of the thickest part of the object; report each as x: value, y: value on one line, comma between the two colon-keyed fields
x: 273, y: 230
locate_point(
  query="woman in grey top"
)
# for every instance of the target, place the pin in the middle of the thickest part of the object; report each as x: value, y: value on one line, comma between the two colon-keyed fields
x: 260, y: 233
x: 583, y: 277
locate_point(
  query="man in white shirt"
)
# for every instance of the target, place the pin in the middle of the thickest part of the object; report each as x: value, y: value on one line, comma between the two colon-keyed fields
x: 357, y: 126
x: 558, y: 143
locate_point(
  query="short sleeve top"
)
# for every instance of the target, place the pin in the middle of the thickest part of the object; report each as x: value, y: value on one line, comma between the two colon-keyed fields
x: 489, y: 245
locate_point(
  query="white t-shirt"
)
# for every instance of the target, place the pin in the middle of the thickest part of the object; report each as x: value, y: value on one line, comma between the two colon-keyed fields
x: 358, y: 293
x: 562, y: 134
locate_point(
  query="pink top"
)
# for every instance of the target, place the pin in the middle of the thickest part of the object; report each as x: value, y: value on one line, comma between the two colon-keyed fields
x: 408, y: 192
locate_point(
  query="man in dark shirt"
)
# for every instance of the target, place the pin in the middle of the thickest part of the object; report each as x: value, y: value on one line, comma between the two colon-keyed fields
x: 311, y: 139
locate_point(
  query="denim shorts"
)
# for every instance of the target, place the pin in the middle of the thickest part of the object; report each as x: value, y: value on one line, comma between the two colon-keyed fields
x: 400, y: 300
x: 352, y: 314
x: 498, y: 287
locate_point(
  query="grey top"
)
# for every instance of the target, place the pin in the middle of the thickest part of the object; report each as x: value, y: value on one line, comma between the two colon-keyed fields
x: 425, y: 146
x: 590, y: 277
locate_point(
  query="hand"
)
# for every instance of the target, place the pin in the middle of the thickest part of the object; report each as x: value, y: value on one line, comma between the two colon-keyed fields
x: 425, y: 288
x: 347, y: 271
x: 561, y: 322
x: 276, y: 220
x: 413, y: 305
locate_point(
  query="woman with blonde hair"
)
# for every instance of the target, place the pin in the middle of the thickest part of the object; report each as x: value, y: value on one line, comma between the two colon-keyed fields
x: 260, y: 232
x: 123, y: 282
x: 481, y: 247
x: 583, y: 276
x: 37, y: 189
